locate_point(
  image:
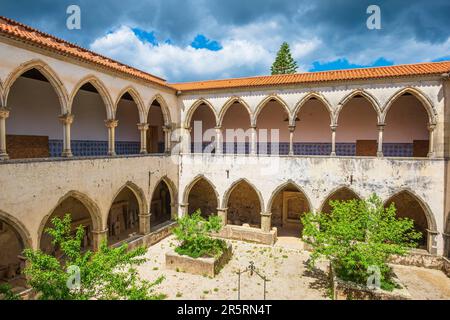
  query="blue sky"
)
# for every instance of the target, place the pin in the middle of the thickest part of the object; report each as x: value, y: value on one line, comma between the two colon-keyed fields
x: 210, y: 39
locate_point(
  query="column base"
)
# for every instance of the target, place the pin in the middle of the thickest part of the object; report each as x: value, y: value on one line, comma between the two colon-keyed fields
x: 333, y: 154
x: 430, y: 155
x: 112, y: 153
x: 4, y: 156
x: 380, y: 154
x: 143, y: 152
x: 67, y: 154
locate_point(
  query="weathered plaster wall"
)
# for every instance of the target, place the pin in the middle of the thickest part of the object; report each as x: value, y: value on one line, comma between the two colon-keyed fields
x: 321, y: 176
x: 31, y: 190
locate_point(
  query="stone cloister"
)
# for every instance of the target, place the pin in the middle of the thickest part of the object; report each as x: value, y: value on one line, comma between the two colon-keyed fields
x: 123, y: 153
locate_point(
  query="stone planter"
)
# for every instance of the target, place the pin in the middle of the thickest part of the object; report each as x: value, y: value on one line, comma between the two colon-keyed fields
x: 201, y: 266
x: 345, y: 290
x: 247, y: 233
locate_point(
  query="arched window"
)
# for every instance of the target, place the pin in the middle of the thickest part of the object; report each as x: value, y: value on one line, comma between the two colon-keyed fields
x: 127, y: 133
x: 155, y: 132
x: 33, y: 128
x: 202, y: 124
x: 236, y: 129
x: 342, y: 194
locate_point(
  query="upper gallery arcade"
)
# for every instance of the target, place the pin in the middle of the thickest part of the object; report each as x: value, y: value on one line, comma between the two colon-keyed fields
x: 127, y: 152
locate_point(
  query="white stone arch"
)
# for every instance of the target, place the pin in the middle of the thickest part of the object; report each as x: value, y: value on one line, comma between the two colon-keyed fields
x: 170, y: 185
x: 47, y: 72
x: 188, y: 188
x: 425, y: 101
x: 366, y: 95
x: 194, y: 106
x: 2, y: 101
x: 227, y: 193
x: 137, y: 99
x: 305, y: 99
x: 290, y: 182
x: 339, y: 188
x: 164, y: 108
x: 18, y: 227
x: 91, y: 206
x: 431, y: 221
x: 228, y: 104
x: 264, y: 103
x: 102, y: 91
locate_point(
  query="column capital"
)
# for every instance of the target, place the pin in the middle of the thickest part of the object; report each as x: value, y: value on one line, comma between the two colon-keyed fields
x: 167, y: 128
x: 142, y: 126
x: 431, y: 126
x: 66, y: 118
x: 218, y: 127
x: 333, y: 127
x: 266, y: 214
x: 253, y: 127
x: 381, y: 126
x: 111, y: 123
x: 4, y: 113
x: 292, y: 128
x: 222, y: 209
x: 145, y: 215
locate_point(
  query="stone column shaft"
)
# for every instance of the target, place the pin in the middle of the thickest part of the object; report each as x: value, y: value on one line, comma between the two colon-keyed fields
x: 291, y: 140
x: 4, y: 114
x: 66, y: 120
x: 167, y: 142
x: 253, y: 143
x: 431, y: 128
x: 144, y: 223
x: 432, y: 241
x: 266, y: 221
x: 184, y: 208
x: 111, y: 125
x: 333, y: 140
x: 380, y: 140
x: 98, y: 237
x: 219, y: 141
x: 143, y: 127
x: 223, y: 214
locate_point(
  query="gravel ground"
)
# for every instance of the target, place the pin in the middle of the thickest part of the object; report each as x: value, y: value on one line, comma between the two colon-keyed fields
x: 283, y: 264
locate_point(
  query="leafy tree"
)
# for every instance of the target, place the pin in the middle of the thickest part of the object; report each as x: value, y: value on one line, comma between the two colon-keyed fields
x: 193, y: 231
x: 6, y: 293
x: 358, y: 234
x: 284, y: 63
x: 108, y: 274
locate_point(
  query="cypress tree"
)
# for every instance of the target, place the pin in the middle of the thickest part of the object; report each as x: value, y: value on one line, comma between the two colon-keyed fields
x: 284, y: 63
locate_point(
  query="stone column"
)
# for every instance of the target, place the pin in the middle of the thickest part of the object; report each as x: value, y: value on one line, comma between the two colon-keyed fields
x: 144, y: 223
x: 266, y: 223
x: 143, y: 127
x: 184, y: 208
x: 431, y: 128
x: 333, y: 140
x: 186, y: 140
x: 223, y: 214
x: 432, y: 241
x: 174, y: 211
x: 4, y: 114
x: 380, y: 140
x: 167, y: 134
x: 219, y: 141
x: 66, y: 120
x: 253, y: 143
x: 291, y: 140
x: 98, y: 237
x: 111, y: 125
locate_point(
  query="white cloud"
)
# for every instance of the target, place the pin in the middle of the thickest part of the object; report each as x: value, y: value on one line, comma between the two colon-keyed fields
x: 237, y: 57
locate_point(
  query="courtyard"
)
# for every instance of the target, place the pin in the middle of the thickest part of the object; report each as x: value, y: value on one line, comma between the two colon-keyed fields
x: 284, y: 265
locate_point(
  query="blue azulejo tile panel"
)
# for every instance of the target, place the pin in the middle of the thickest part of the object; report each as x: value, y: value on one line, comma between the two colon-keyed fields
x: 236, y: 147
x: 128, y: 147
x: 280, y: 148
x: 398, y: 149
x: 55, y: 148
x: 203, y: 147
x: 89, y: 148
x: 345, y: 149
x: 312, y: 149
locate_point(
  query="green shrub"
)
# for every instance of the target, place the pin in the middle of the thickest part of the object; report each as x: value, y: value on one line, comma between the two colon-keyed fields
x: 358, y: 234
x: 193, y: 231
x: 108, y: 274
x: 6, y: 293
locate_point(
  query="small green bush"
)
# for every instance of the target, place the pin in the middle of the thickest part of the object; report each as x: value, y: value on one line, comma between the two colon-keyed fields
x: 357, y: 235
x: 193, y: 231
